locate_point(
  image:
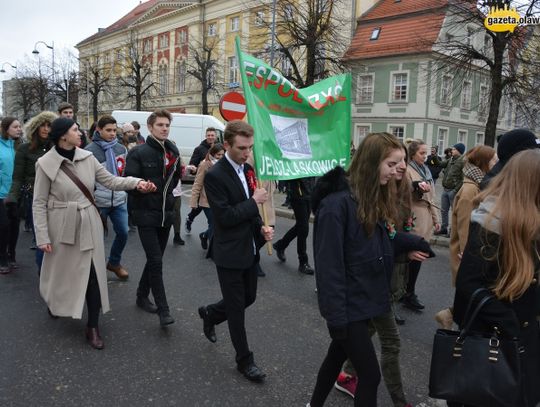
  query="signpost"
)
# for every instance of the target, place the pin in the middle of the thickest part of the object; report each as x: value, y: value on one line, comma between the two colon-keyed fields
x: 232, y: 106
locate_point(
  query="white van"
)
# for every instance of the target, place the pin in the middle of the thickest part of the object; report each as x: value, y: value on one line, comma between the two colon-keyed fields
x: 187, y: 130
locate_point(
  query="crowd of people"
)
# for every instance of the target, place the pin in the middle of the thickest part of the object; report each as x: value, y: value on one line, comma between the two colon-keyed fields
x: 371, y: 232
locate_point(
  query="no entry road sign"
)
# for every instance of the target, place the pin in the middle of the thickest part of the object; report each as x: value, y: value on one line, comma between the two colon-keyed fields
x: 232, y: 106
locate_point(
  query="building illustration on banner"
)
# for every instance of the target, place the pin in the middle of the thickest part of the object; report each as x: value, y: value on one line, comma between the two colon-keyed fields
x: 292, y: 136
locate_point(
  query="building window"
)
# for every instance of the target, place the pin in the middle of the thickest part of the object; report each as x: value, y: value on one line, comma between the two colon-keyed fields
x: 163, y: 80
x: 180, y: 77
x: 119, y: 55
x: 469, y: 40
x: 286, y: 67
x: 181, y: 37
x: 462, y: 137
x: 466, y: 95
x: 399, y: 87
x: 233, y: 71
x: 479, y: 139
x: 364, y: 92
x: 487, y: 44
x: 483, y: 100
x: 360, y: 134
x: 288, y: 12
x: 106, y: 58
x: 446, y: 90
x: 259, y: 18
x: 442, y: 138
x: 212, y: 29
x: 211, y: 78
x: 397, y: 131
x: 375, y: 33
x: 147, y: 47
x: 235, y: 24
x: 163, y: 41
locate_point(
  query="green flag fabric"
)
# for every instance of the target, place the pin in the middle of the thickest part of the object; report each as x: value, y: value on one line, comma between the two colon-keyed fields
x: 298, y: 132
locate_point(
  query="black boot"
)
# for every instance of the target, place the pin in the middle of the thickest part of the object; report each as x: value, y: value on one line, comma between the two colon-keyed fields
x: 410, y: 300
x: 177, y: 240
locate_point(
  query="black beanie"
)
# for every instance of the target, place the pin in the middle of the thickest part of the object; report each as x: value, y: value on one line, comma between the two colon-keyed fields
x: 515, y: 141
x: 59, y: 127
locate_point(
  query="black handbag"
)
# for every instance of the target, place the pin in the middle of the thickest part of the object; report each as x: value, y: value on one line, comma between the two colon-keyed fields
x: 473, y: 368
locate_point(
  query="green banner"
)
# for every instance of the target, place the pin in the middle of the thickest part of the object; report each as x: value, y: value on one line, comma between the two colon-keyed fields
x: 298, y: 132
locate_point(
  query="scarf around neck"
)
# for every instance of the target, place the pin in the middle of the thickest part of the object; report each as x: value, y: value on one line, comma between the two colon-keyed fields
x: 107, y: 147
x: 422, y: 170
x: 473, y: 172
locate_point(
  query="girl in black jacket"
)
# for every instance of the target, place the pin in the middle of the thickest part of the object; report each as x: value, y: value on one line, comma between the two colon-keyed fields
x: 355, y: 241
x: 502, y: 255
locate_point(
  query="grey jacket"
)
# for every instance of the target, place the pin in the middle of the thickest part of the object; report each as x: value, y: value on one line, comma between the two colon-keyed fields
x: 105, y: 198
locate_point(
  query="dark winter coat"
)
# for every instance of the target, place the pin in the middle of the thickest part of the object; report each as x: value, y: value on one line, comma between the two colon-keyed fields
x: 433, y: 162
x: 353, y: 270
x: 148, y: 161
x: 453, y: 173
x: 301, y: 188
x: 199, y: 153
x: 24, y: 172
x: 513, y: 319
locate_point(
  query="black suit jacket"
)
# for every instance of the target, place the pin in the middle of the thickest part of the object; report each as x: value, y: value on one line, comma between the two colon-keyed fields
x: 237, y: 222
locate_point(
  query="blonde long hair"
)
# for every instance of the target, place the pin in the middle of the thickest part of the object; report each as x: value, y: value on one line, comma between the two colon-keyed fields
x: 375, y: 201
x: 517, y: 203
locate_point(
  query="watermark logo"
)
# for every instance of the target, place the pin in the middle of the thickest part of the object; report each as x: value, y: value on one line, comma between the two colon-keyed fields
x: 506, y: 19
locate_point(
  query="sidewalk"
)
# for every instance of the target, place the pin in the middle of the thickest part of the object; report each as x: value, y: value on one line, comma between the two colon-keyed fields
x: 284, y: 212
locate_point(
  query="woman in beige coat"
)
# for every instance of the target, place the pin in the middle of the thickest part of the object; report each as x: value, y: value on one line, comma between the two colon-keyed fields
x: 424, y: 209
x: 198, y: 194
x: 69, y: 229
x: 478, y: 161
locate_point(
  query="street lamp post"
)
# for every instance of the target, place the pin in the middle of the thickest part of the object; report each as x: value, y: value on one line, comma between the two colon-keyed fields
x: 4, y: 64
x: 51, y: 47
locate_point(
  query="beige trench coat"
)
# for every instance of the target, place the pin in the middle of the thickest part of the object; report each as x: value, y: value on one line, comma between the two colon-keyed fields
x: 198, y: 194
x: 425, y: 211
x: 64, y: 218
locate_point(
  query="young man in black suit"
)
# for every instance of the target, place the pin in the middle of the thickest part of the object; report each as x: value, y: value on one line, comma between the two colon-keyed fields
x: 238, y: 235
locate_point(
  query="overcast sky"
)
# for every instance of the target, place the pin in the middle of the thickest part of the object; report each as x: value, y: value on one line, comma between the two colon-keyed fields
x: 24, y: 22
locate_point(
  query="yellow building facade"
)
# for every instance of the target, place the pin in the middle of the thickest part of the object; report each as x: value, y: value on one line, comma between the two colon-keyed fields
x: 167, y: 37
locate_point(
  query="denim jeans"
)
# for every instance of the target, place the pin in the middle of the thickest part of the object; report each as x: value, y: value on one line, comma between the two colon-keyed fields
x: 210, y: 231
x: 447, y: 201
x: 119, y: 219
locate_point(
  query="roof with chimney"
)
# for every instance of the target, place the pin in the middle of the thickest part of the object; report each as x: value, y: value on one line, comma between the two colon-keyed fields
x: 397, y: 27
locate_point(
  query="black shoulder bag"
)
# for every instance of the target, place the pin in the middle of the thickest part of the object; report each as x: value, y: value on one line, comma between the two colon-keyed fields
x: 475, y: 369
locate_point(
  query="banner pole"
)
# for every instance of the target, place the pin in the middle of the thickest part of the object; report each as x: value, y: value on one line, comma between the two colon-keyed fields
x: 265, y: 221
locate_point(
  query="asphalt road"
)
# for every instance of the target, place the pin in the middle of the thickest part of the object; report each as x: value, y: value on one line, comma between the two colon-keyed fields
x: 46, y: 362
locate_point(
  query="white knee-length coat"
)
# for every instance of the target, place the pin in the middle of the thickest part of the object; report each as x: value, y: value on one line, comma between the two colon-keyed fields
x: 65, y: 218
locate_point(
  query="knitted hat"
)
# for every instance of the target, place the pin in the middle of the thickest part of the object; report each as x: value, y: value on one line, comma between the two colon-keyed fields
x: 515, y: 141
x: 59, y: 127
x: 460, y: 147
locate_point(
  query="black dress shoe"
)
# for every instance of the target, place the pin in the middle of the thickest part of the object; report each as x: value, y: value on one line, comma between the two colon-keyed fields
x: 260, y: 272
x: 95, y: 341
x: 280, y: 253
x: 252, y: 372
x: 209, y: 328
x: 411, y: 301
x: 204, y: 241
x: 305, y: 268
x: 147, y: 305
x: 165, y: 318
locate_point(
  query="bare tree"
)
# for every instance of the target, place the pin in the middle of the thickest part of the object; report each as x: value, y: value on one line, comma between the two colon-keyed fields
x: 66, y: 86
x: 136, y: 76
x: 511, y: 65
x: 24, y: 96
x: 202, y: 65
x: 95, y: 77
x: 309, y: 38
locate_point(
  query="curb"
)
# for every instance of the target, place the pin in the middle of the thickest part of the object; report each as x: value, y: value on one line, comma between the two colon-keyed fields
x: 438, y: 241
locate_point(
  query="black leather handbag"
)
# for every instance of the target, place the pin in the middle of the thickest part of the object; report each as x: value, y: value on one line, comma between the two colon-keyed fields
x: 475, y: 369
